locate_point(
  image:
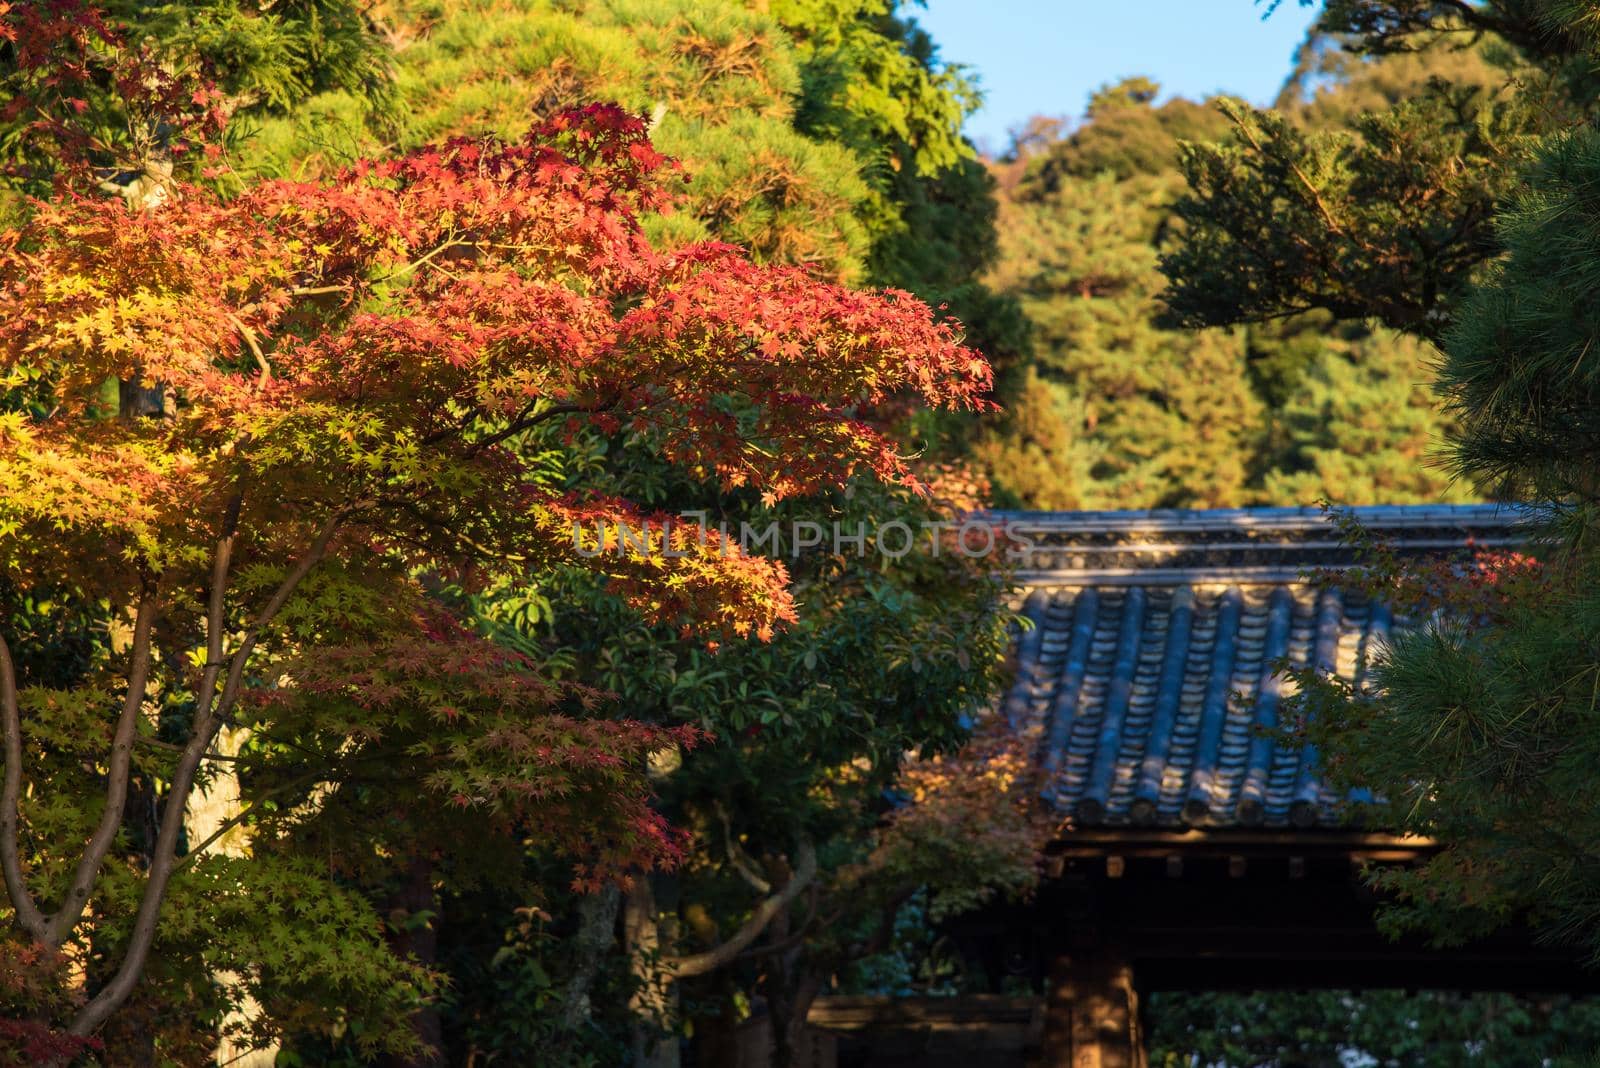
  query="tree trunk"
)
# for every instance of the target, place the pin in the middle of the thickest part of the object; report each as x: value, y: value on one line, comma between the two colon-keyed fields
x: 417, y: 937
x: 807, y: 984
x: 597, y: 921
x: 781, y: 993
x: 655, y: 997
x: 793, y: 984
x: 210, y: 807
x: 135, y: 401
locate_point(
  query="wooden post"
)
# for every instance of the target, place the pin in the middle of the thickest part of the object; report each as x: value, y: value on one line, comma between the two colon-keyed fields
x: 1092, y: 1015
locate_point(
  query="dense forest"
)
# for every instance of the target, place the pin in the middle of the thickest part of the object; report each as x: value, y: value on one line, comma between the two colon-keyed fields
x: 330, y: 329
x: 1116, y: 406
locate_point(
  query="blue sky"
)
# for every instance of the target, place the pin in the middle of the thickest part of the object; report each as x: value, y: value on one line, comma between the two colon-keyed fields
x: 1046, y: 56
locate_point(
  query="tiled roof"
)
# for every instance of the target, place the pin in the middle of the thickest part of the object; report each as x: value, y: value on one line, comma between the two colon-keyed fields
x: 1148, y: 667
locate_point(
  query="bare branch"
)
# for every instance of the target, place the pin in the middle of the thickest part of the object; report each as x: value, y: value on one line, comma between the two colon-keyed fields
x: 237, y: 662
x: 792, y: 941
x: 517, y: 426
x: 727, y: 952
x: 737, y: 856
x: 168, y: 747
x: 446, y: 246
x: 209, y: 718
x: 28, y: 913
x: 249, y: 335
x: 216, y: 607
x: 94, y: 854
x: 1481, y: 21
x: 239, y: 817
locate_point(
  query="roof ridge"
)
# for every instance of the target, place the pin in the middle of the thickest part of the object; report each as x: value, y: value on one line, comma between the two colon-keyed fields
x: 1267, y: 517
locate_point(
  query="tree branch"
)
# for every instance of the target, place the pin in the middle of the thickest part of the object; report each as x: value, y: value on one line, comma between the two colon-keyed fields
x: 249, y: 335
x: 208, y: 719
x: 239, y: 817
x: 28, y: 913
x: 237, y: 662
x: 737, y: 856
x: 727, y: 952
x: 446, y: 246
x: 1311, y: 190
x: 517, y: 426
x: 94, y: 854
x: 1481, y: 22
x: 792, y: 941
x: 168, y: 747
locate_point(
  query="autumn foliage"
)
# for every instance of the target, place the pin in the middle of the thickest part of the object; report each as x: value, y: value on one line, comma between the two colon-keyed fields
x: 259, y: 429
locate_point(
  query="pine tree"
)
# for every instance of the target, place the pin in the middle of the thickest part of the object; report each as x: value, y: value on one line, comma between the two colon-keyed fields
x: 1478, y: 729
x: 1481, y: 729
x: 1382, y: 206
x: 1040, y: 451
x: 1361, y: 425
x: 1522, y: 372
x: 261, y: 60
x: 1287, y: 412
x: 720, y: 81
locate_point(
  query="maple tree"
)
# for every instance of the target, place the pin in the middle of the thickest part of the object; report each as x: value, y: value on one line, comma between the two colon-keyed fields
x: 822, y: 134
x: 731, y: 88
x: 887, y: 657
x: 340, y: 373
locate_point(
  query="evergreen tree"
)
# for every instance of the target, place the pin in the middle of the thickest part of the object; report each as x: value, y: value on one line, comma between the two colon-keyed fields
x: 1477, y: 730
x: 1481, y: 727
x: 1169, y: 414
x: 1041, y: 452
x: 1386, y: 211
x: 1162, y: 416
x: 1361, y: 424
x: 1125, y: 133
x: 1522, y: 372
x: 258, y: 60
x: 720, y: 82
